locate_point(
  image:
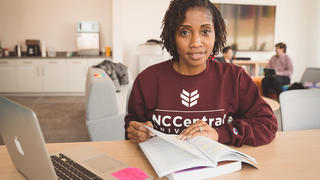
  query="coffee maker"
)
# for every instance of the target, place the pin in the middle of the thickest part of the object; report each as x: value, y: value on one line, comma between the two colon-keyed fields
x: 33, y: 47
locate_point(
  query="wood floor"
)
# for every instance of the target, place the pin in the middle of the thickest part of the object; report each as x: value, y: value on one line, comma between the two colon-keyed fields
x: 62, y: 119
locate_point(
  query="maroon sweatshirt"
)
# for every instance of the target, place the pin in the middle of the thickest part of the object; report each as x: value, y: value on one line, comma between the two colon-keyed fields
x: 223, y: 95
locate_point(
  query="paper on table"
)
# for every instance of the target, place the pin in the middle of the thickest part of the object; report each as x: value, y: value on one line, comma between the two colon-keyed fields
x: 130, y: 173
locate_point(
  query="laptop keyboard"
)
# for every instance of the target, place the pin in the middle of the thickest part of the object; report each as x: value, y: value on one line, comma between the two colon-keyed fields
x: 68, y: 169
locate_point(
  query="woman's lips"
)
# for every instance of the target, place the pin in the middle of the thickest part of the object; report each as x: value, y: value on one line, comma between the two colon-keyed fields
x: 196, y: 55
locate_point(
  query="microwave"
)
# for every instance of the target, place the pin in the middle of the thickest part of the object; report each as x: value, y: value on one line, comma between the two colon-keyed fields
x: 88, y: 43
x: 88, y: 38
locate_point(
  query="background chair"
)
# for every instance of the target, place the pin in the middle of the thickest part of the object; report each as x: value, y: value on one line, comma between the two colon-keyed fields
x: 105, y: 108
x: 300, y: 109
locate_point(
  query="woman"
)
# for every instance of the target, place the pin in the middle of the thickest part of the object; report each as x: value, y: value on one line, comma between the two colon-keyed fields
x: 192, y: 96
x: 227, y: 55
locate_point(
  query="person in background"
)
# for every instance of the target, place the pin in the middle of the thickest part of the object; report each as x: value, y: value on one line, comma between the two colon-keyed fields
x: 191, y: 95
x: 283, y: 67
x: 227, y: 55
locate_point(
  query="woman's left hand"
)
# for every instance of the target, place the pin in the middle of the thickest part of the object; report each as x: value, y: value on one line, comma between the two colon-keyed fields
x: 200, y: 128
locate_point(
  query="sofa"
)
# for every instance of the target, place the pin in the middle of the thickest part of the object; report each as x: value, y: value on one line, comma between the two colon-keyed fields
x: 105, y: 108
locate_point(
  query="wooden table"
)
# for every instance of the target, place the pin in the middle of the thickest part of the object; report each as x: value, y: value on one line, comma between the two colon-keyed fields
x: 292, y: 155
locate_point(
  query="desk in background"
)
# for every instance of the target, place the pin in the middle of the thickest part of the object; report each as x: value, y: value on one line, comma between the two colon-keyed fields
x: 253, y: 68
x: 292, y: 155
x: 273, y: 103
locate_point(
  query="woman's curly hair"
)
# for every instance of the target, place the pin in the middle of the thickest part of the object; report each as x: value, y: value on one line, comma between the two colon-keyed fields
x: 175, y: 16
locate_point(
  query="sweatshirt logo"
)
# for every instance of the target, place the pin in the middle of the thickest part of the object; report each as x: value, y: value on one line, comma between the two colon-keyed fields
x: 189, y: 99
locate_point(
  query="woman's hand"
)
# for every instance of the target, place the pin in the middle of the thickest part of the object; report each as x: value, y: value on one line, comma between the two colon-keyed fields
x: 200, y: 128
x: 137, y: 133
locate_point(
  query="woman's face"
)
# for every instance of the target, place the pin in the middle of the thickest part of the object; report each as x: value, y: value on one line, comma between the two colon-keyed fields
x: 195, y: 37
x: 228, y: 54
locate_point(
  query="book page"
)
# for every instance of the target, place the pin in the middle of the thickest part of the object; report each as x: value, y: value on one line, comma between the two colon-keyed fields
x: 185, y: 145
x: 209, y: 147
x: 218, y: 152
x: 166, y: 158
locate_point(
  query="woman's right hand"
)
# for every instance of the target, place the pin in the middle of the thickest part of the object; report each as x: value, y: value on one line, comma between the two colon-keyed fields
x: 137, y: 133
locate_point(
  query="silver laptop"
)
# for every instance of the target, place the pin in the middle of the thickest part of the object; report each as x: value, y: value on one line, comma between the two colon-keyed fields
x: 23, y: 138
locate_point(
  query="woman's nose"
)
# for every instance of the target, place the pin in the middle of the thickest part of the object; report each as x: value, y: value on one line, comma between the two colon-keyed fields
x: 195, y: 40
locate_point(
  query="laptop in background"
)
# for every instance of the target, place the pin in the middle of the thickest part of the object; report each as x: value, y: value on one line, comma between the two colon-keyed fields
x: 269, y: 73
x: 26, y: 146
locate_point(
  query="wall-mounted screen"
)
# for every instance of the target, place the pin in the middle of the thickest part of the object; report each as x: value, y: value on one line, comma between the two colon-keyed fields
x: 249, y: 27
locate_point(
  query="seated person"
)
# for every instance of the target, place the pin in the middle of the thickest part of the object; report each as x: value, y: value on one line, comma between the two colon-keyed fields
x: 283, y: 67
x: 190, y: 94
x: 227, y: 55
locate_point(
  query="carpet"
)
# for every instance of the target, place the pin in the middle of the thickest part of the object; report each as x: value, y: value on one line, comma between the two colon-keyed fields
x: 61, y: 119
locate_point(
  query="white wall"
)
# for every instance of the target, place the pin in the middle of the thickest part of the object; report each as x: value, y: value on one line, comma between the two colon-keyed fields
x: 134, y: 22
x: 117, y: 30
x: 291, y: 28
x: 53, y: 21
x: 140, y: 20
x: 295, y: 25
x: 314, y: 44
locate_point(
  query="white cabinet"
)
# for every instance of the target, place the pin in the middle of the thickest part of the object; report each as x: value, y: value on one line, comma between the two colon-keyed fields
x: 29, y: 77
x: 76, y: 75
x: 54, y: 75
x: 39, y: 75
x: 7, y: 76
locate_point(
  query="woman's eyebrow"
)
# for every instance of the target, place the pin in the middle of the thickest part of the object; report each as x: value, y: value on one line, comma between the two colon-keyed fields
x: 204, y: 25
x: 188, y: 26
x: 185, y: 26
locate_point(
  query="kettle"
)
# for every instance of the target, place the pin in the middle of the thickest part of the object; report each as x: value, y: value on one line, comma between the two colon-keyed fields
x: 18, y: 50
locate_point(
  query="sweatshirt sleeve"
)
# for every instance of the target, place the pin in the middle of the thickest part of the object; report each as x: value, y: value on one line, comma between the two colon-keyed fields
x: 136, y: 106
x: 255, y: 123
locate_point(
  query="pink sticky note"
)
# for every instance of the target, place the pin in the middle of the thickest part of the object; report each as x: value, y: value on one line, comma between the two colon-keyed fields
x: 130, y: 173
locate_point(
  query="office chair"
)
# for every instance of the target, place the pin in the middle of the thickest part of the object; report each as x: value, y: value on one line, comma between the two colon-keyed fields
x: 105, y: 110
x: 300, y: 109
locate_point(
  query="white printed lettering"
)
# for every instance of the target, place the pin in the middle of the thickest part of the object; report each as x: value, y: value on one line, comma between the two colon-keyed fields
x: 211, y: 120
x: 218, y: 122
x: 195, y: 120
x: 224, y: 116
x: 204, y: 119
x: 175, y: 121
x: 187, y: 122
x: 158, y: 121
x: 164, y: 121
x: 176, y: 131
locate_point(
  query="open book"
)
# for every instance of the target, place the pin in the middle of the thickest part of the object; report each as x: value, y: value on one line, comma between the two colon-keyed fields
x: 200, y: 156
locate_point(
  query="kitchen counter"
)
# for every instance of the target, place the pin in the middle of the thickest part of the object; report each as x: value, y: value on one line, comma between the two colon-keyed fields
x: 57, y: 57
